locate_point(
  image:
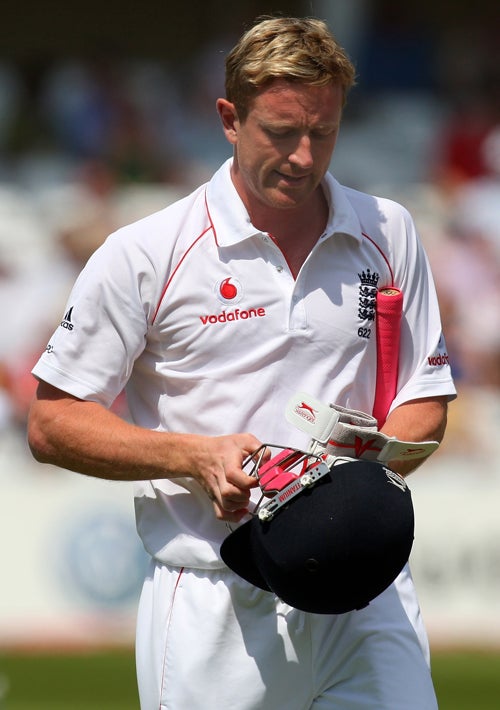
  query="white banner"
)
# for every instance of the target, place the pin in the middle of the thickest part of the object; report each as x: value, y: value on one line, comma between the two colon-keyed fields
x: 72, y: 563
x: 456, y: 554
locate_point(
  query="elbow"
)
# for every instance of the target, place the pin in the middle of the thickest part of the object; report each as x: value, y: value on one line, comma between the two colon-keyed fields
x: 38, y: 441
x: 47, y: 426
x: 38, y: 446
x: 438, y: 425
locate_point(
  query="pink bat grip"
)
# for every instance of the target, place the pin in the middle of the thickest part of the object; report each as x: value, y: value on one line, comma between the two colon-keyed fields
x: 389, y: 307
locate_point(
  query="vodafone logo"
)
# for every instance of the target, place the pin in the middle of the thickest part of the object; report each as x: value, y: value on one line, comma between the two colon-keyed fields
x: 439, y: 360
x: 231, y: 316
x: 229, y: 290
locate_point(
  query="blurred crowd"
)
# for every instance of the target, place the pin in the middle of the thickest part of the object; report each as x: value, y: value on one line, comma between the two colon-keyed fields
x: 93, y: 144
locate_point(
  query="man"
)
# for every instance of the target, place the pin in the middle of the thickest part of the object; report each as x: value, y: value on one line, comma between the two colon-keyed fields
x: 212, y: 313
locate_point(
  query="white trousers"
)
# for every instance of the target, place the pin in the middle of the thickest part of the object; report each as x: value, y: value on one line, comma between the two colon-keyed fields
x: 208, y: 640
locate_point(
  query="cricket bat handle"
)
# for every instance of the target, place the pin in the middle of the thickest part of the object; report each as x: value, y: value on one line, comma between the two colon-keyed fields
x: 389, y: 308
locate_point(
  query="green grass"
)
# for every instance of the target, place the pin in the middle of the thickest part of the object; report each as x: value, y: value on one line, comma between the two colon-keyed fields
x: 71, y: 681
x: 467, y: 680
x: 106, y: 681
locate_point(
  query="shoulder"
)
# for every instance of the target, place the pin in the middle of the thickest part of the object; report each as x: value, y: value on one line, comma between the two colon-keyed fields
x: 139, y: 256
x: 162, y: 226
x: 386, y: 230
x: 383, y: 221
x: 361, y: 213
x: 373, y: 209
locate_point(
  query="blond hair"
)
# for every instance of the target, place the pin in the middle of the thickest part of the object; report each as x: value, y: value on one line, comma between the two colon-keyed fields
x: 295, y: 49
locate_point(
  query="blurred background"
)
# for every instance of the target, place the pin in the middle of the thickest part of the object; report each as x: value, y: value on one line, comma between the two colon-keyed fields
x: 107, y: 114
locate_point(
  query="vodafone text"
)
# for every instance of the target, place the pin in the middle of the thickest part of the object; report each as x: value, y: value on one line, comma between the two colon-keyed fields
x: 228, y: 316
x: 438, y: 360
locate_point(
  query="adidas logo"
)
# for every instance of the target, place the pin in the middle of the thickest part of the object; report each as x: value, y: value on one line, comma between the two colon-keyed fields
x: 66, y: 321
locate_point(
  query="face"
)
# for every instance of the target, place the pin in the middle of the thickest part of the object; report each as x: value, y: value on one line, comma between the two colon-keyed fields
x: 284, y: 146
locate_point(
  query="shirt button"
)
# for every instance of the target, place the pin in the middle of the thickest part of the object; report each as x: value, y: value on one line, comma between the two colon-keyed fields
x: 279, y: 268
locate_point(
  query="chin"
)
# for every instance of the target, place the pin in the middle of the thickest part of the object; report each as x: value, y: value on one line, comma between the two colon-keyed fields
x: 282, y: 200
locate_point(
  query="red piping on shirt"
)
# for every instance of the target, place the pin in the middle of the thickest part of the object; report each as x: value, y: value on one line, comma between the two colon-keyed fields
x: 382, y: 255
x: 210, y: 219
x: 211, y: 227
x: 175, y: 270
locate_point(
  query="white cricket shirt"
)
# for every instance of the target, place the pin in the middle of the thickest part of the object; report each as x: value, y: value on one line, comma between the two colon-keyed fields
x: 197, y: 314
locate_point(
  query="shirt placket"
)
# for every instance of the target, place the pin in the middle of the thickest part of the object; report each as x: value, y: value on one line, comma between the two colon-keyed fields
x: 292, y: 288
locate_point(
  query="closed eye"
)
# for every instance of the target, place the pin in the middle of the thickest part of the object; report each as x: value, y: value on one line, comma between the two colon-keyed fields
x: 281, y: 132
x: 286, y: 133
x: 324, y: 132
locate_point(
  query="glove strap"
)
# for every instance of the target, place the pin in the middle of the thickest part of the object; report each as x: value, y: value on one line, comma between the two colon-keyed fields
x: 355, y: 417
x: 360, y: 443
x: 338, y: 431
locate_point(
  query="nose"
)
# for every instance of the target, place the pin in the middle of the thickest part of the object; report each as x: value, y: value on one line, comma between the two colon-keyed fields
x: 302, y: 154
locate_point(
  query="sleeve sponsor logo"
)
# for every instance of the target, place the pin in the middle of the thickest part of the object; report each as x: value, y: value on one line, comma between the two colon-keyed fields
x: 66, y: 321
x: 441, y: 358
x: 438, y: 360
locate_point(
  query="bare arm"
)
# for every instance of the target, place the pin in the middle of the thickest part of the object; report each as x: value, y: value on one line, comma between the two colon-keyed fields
x: 419, y: 420
x: 87, y: 438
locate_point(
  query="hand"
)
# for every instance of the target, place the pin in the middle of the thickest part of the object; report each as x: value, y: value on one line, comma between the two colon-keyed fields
x: 85, y: 436
x: 218, y: 470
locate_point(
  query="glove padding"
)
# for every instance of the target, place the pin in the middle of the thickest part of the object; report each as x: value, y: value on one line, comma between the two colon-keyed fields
x: 337, y: 431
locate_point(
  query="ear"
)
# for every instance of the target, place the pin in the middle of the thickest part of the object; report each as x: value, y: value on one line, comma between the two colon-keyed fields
x: 229, y: 118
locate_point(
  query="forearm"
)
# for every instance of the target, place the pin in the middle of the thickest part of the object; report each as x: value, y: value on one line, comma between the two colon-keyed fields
x: 85, y: 437
x: 419, y: 420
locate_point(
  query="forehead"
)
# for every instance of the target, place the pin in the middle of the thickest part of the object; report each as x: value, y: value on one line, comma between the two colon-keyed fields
x: 287, y: 100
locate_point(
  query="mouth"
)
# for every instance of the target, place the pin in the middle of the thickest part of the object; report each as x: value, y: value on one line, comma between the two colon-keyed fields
x: 293, y: 180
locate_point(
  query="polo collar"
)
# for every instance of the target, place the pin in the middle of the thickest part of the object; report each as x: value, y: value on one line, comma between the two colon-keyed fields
x: 231, y: 221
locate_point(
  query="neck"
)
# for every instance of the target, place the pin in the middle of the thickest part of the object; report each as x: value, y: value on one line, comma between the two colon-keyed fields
x: 295, y: 231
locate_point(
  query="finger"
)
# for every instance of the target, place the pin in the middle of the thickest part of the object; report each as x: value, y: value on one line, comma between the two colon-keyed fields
x: 238, y: 479
x: 234, y: 516
x: 228, y: 497
x: 234, y: 499
x: 233, y: 495
x: 255, y: 455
